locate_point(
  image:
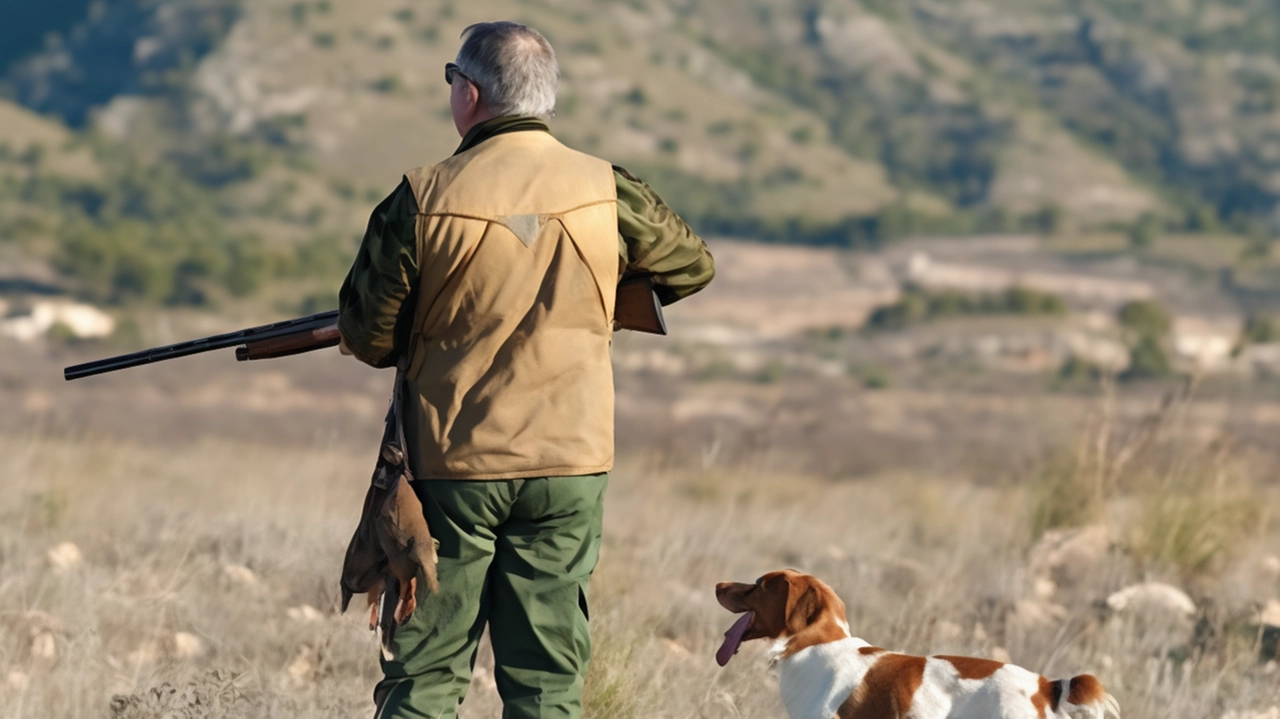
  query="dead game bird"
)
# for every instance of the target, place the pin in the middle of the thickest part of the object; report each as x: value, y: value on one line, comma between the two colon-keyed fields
x: 392, y: 547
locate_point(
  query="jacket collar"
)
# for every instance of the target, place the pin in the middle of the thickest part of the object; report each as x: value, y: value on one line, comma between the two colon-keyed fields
x: 499, y: 126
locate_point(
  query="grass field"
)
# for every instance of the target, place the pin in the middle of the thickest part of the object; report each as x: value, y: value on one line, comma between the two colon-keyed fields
x: 196, y: 576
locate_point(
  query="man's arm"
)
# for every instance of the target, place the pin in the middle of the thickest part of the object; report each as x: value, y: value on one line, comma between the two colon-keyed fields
x: 656, y: 241
x: 373, y: 312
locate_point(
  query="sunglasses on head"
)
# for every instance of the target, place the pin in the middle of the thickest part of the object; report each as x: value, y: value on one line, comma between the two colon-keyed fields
x: 451, y: 70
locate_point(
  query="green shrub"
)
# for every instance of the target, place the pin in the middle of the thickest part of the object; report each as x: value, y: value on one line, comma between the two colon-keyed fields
x: 1145, y: 318
x: 1147, y: 360
x: 918, y: 305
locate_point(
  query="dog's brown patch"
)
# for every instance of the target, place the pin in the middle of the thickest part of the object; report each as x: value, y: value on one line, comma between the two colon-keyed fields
x: 887, y: 689
x: 870, y: 650
x: 1085, y: 690
x: 1047, y: 698
x: 973, y: 667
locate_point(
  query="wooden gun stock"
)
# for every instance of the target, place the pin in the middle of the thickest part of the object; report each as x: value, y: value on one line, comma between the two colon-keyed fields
x: 290, y: 344
x: 636, y: 306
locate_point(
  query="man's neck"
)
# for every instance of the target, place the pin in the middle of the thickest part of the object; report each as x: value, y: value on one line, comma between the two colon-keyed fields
x: 482, y: 131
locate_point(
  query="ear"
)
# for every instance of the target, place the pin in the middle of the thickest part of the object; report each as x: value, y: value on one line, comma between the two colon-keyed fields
x: 804, y: 603
x: 472, y: 94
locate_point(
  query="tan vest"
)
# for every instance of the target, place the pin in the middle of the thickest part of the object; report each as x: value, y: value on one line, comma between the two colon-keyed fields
x: 518, y: 253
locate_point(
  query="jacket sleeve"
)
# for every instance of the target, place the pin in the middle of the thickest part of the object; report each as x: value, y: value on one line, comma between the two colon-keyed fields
x: 657, y: 242
x: 375, y: 313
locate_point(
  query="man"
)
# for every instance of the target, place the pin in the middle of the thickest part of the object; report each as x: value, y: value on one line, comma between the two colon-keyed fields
x: 489, y: 279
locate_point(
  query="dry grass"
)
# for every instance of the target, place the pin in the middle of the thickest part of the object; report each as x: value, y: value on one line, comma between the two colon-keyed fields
x: 207, y: 576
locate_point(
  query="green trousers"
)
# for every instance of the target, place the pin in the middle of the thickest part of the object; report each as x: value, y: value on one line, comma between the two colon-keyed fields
x: 516, y: 554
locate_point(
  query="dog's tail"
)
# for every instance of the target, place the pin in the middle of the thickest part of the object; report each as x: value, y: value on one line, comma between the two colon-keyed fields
x: 1082, y: 697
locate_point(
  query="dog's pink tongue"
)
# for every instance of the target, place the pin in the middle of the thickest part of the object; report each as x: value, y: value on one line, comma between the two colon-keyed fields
x: 732, y: 639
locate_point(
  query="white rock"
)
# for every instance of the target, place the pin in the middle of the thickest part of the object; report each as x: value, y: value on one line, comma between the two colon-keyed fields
x: 1045, y: 588
x: 1271, y: 565
x: 483, y: 677
x: 1269, y: 615
x: 304, y: 665
x: 1152, y: 596
x: 239, y: 574
x: 304, y: 613
x: 65, y: 556
x: 82, y: 320
x: 676, y: 649
x: 187, y: 645
x: 18, y: 680
x: 44, y: 646
x: 1001, y: 654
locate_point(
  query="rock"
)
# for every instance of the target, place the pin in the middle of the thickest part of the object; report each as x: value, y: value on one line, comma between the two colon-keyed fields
x: 1159, y: 613
x: 44, y: 646
x: 1044, y: 587
x: 675, y: 649
x: 1271, y: 565
x: 1152, y: 597
x: 187, y: 645
x: 483, y: 677
x: 18, y: 680
x: 305, y: 665
x: 239, y: 574
x: 1269, y: 614
x: 1001, y: 654
x: 304, y: 613
x: 64, y: 557
x: 179, y: 645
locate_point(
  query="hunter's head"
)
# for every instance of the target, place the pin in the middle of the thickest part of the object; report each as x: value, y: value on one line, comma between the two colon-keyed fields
x: 503, y: 68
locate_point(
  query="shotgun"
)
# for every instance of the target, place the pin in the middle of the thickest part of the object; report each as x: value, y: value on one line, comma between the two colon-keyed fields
x: 636, y: 308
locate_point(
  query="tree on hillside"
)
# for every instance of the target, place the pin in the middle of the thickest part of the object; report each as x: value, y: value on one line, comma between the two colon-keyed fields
x: 1148, y: 325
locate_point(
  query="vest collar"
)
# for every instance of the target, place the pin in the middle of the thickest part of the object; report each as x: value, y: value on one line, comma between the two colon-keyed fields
x: 499, y: 126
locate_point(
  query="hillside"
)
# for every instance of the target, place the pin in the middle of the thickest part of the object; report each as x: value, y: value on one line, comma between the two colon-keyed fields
x: 801, y: 121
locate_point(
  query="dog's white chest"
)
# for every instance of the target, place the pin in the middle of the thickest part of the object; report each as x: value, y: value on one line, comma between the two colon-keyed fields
x: 817, y: 680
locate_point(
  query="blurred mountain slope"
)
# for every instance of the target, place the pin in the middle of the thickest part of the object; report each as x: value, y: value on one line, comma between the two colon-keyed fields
x: 820, y: 121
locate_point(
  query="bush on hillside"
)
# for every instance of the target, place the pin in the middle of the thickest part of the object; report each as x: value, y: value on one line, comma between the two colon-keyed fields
x: 919, y: 305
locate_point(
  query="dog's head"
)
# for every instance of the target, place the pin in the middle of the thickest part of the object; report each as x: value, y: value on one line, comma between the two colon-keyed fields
x: 785, y: 604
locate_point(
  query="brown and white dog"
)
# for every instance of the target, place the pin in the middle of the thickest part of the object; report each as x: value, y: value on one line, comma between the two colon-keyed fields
x: 825, y: 672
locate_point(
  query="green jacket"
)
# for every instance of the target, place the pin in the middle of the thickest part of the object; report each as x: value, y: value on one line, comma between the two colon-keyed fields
x: 376, y: 310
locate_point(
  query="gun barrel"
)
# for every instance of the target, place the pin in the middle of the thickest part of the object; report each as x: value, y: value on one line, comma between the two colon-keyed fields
x: 204, y: 344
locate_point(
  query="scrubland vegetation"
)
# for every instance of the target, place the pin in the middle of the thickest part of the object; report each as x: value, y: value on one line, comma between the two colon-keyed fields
x: 185, y: 560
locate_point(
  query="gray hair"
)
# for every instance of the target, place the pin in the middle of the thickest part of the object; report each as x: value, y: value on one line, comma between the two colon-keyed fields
x: 513, y: 66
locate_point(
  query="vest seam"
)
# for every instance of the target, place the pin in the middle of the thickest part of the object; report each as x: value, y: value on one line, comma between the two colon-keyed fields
x: 548, y: 215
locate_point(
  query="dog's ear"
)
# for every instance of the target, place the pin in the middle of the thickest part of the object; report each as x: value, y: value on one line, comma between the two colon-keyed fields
x: 804, y: 603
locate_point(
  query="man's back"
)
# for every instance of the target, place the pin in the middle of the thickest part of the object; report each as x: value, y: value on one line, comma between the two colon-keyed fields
x: 510, y: 361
